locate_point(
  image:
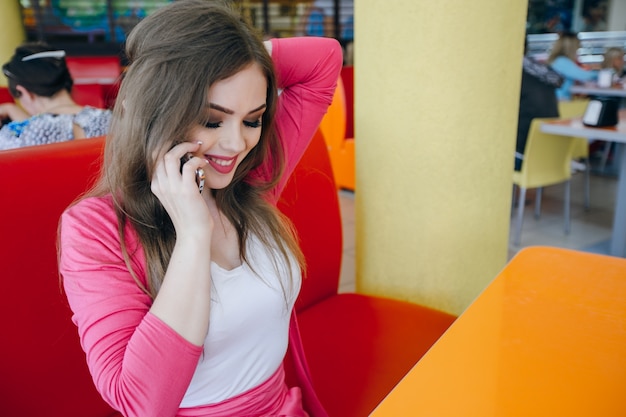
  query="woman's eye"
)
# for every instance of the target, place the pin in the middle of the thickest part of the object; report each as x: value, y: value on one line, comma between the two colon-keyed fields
x: 256, y: 123
x: 212, y: 125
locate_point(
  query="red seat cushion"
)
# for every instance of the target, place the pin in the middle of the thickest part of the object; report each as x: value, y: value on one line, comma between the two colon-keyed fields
x: 359, y: 347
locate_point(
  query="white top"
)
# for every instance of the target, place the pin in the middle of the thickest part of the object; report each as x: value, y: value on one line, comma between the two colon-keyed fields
x: 248, y: 330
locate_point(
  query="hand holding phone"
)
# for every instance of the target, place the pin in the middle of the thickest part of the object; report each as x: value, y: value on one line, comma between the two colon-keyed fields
x: 199, y: 172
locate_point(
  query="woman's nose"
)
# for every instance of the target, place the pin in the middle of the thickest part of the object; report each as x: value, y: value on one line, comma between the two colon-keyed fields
x: 234, y: 140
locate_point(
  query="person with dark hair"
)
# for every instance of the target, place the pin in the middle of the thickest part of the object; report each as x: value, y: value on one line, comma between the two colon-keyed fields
x: 180, y: 270
x: 537, y: 99
x: 39, y: 80
x: 594, y: 14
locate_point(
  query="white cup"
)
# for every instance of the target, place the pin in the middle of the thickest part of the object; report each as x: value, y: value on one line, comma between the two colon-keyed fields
x: 605, y: 78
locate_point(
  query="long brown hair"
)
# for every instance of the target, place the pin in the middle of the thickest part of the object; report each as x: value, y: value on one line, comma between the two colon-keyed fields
x: 566, y: 45
x: 175, y: 55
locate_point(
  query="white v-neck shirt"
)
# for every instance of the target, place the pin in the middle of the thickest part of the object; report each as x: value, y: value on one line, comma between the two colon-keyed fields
x: 248, y: 329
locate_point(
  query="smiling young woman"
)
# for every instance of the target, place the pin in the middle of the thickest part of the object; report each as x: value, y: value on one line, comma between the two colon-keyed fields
x: 184, y: 300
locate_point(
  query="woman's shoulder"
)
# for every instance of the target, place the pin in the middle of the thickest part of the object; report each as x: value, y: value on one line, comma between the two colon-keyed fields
x: 92, y: 212
x: 91, y: 113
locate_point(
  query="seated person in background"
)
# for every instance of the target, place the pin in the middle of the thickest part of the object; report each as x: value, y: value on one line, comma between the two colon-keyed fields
x: 564, y: 60
x: 614, y: 59
x: 38, y: 77
x: 537, y: 99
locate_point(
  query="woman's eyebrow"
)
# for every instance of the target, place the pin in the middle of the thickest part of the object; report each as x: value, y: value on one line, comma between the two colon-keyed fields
x: 229, y: 111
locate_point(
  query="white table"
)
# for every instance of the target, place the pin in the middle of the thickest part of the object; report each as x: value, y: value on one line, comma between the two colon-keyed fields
x: 574, y: 127
x: 594, y: 90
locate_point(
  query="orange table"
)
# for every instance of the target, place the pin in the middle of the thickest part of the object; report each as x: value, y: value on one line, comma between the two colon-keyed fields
x: 546, y: 338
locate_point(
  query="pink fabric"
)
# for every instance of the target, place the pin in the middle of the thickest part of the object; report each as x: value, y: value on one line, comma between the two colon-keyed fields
x: 141, y: 366
x: 272, y: 398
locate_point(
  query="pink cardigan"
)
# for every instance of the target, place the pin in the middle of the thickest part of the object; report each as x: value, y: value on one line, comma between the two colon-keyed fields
x: 133, y: 373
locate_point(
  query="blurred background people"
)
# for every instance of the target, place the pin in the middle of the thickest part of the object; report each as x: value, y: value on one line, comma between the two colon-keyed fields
x: 594, y: 15
x: 44, y: 112
x: 564, y: 60
x: 614, y: 59
x: 537, y: 99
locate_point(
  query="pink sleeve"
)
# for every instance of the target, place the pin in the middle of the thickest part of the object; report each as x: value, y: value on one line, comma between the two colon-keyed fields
x: 307, y: 69
x: 140, y: 366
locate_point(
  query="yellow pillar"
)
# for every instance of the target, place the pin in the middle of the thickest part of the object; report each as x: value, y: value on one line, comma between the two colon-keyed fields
x: 436, y: 102
x: 12, y: 32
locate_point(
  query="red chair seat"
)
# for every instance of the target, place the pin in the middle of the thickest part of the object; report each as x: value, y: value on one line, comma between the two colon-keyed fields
x: 359, y: 347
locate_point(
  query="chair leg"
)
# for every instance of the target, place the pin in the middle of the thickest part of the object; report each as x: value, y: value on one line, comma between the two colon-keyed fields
x: 538, y: 202
x: 605, y: 155
x: 566, y: 207
x: 517, y: 236
x: 587, y: 184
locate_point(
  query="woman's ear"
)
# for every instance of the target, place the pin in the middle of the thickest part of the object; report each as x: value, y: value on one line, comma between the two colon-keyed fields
x: 27, y: 100
x: 22, y: 92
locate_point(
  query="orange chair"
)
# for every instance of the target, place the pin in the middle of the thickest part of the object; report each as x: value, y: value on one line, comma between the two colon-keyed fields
x: 358, y: 347
x: 43, y: 368
x: 340, y: 148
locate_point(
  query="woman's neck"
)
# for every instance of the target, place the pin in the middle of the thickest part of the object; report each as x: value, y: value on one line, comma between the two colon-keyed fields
x: 60, y: 103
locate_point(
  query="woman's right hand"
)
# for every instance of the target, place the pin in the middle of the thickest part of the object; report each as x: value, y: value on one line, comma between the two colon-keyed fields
x: 178, y: 191
x: 183, y: 301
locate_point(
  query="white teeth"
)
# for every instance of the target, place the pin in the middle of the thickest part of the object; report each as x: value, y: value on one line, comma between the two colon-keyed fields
x: 221, y: 162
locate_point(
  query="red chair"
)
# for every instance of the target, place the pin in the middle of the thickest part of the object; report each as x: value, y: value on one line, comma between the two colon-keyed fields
x: 358, y: 347
x: 89, y: 95
x: 347, y: 76
x: 42, y: 366
x: 5, y: 95
x: 94, y: 69
x: 102, y: 70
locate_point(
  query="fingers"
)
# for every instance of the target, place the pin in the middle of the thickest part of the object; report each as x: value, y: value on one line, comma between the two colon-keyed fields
x: 175, y: 174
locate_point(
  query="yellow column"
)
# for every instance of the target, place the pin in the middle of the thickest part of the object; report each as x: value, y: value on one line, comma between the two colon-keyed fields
x: 12, y: 32
x: 436, y: 102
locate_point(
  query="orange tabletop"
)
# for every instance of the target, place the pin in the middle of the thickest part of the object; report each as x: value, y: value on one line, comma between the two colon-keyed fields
x: 546, y: 338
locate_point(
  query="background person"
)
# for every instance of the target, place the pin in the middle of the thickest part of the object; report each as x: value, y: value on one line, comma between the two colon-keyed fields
x: 537, y: 99
x: 564, y: 60
x: 39, y: 79
x: 184, y: 300
x: 614, y: 59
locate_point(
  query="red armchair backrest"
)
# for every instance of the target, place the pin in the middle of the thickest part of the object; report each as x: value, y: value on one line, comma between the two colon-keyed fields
x: 94, y: 69
x: 42, y: 367
x: 43, y: 371
x: 310, y: 200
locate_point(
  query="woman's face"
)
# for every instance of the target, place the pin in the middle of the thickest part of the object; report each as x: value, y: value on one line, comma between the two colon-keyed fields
x: 236, y: 106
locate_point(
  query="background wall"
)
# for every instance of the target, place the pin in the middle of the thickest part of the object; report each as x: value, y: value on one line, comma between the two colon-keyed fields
x: 12, y: 32
x: 436, y: 102
x: 617, y: 15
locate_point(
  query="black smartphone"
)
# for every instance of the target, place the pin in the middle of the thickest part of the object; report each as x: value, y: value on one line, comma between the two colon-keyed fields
x: 199, y: 171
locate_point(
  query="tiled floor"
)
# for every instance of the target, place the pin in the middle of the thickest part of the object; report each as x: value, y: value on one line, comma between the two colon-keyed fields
x: 590, y: 228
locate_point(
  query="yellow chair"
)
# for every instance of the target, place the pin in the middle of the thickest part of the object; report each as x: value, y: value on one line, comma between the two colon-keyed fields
x: 547, y: 160
x: 340, y: 148
x: 576, y: 108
